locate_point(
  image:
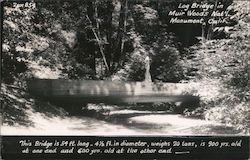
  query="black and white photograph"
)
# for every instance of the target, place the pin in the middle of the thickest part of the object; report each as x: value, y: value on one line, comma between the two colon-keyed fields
x: 125, y: 67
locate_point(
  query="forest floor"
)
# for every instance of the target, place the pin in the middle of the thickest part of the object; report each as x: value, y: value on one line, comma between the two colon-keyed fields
x: 118, y: 121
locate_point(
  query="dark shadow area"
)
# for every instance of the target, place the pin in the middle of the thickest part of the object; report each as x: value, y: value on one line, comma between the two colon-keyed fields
x: 188, y: 35
x: 48, y: 109
x: 124, y: 119
x: 13, y: 115
x: 167, y: 107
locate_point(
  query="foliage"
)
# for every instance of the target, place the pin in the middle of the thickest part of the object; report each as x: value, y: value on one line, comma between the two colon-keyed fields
x: 66, y: 40
x: 223, y: 64
x: 149, y: 39
x: 15, y: 23
x: 166, y: 58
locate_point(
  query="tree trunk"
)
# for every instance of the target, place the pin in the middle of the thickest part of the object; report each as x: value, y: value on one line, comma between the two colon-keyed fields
x: 91, y: 50
x: 211, y: 27
x: 94, y: 25
x: 108, y: 49
x: 120, y: 35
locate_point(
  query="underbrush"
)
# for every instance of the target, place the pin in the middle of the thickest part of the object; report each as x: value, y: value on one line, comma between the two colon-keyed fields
x: 14, y: 106
x: 17, y: 107
x: 227, y: 62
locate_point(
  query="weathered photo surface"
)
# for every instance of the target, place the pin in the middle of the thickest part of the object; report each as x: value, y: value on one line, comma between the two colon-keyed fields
x: 125, y: 67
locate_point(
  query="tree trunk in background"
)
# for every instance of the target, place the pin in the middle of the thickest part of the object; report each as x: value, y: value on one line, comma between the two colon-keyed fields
x: 211, y: 27
x: 108, y: 51
x: 94, y: 27
x: 124, y: 28
x: 97, y: 25
x: 91, y: 50
x: 120, y: 35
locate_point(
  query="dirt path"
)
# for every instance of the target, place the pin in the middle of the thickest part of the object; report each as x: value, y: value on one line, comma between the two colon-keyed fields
x: 120, y: 122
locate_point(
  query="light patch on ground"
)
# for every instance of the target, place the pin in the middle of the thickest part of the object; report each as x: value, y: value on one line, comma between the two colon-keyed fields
x: 176, y: 120
x: 177, y: 124
x: 67, y: 126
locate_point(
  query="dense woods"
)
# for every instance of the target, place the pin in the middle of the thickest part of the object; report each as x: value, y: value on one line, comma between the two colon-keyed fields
x: 110, y: 39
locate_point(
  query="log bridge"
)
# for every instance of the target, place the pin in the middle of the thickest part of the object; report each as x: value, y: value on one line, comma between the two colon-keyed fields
x: 75, y: 92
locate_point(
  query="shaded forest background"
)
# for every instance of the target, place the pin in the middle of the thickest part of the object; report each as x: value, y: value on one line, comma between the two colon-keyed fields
x: 109, y: 40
